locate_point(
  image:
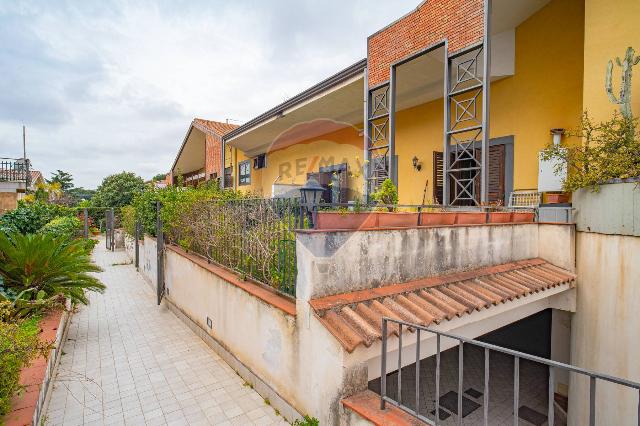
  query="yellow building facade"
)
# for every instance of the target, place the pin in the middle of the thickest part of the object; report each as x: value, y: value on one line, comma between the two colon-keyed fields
x: 555, y: 58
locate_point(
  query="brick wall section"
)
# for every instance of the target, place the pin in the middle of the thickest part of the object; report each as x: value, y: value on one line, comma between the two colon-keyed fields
x: 461, y: 22
x: 214, y: 131
x: 213, y: 160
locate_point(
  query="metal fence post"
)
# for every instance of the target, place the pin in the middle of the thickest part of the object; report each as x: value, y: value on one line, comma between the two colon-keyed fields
x: 137, y: 246
x: 383, y: 366
x: 113, y: 230
x: 106, y: 229
x: 86, y: 223
x: 160, y: 252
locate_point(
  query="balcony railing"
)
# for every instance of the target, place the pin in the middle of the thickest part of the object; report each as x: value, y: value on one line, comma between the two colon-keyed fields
x: 13, y: 171
x: 553, y: 366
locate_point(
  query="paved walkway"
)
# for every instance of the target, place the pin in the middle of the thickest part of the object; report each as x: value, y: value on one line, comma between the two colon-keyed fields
x: 128, y: 361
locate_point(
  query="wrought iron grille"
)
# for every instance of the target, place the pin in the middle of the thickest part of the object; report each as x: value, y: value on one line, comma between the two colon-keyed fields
x: 378, y: 143
x: 554, y: 366
x: 253, y: 237
x: 465, y: 127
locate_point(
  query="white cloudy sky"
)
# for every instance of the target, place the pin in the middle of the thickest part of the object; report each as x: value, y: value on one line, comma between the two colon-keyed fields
x: 111, y: 85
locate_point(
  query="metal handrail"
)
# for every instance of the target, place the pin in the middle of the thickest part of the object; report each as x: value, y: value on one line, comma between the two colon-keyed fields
x: 593, y: 376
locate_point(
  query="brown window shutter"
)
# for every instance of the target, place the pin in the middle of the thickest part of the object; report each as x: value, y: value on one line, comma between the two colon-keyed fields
x: 496, y: 174
x: 438, y: 180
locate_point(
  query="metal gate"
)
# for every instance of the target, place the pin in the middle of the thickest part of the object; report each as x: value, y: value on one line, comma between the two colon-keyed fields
x: 110, y: 229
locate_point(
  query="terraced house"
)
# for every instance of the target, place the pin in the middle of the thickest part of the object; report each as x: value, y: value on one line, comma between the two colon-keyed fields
x: 534, y: 69
x: 453, y: 103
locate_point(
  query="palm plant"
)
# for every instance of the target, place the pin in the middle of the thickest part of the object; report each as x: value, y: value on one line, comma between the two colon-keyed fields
x: 37, y: 266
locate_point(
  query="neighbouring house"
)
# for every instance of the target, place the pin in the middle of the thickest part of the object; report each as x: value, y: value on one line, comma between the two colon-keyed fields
x: 16, y: 179
x: 200, y: 155
x: 562, y: 292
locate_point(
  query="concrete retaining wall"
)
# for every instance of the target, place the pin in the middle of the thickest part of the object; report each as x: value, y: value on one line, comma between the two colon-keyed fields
x: 614, y: 209
x: 338, y: 262
x: 605, y: 328
x: 294, y: 359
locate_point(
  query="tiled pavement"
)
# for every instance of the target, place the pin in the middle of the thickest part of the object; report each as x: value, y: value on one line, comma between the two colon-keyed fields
x: 128, y: 361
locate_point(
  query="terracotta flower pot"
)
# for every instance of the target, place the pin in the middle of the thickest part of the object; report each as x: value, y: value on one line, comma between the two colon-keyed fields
x: 438, y: 218
x: 523, y: 217
x: 500, y: 217
x: 347, y: 220
x: 471, y: 218
x: 397, y: 220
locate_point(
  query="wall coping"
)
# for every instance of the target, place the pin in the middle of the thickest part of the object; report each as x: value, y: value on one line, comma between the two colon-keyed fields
x: 404, y: 228
x: 268, y: 296
x: 366, y: 404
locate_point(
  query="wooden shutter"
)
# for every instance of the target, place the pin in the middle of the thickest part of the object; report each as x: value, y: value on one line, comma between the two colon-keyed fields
x: 437, y: 177
x: 496, y: 174
x: 323, y: 178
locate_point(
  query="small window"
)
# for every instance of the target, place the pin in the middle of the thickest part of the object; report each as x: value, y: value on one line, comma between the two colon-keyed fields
x: 244, y: 173
x: 260, y: 162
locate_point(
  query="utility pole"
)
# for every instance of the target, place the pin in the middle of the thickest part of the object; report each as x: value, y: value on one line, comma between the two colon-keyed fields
x: 27, y: 177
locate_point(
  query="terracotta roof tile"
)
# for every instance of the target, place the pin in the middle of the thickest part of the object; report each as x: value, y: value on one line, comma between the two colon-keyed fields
x: 355, y: 318
x: 216, y: 127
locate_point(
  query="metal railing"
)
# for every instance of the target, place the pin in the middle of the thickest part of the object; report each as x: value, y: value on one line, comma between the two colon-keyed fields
x: 552, y: 365
x: 12, y: 170
x: 253, y: 237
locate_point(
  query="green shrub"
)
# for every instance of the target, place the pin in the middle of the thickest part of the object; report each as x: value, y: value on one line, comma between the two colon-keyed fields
x: 19, y: 345
x: 66, y: 226
x: 175, y: 201
x: 128, y: 215
x: 307, y: 421
x: 29, y: 217
x: 387, y: 194
x: 598, y: 152
x: 42, y: 262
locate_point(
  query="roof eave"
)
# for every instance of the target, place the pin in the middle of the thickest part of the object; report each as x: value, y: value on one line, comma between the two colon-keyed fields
x: 335, y: 79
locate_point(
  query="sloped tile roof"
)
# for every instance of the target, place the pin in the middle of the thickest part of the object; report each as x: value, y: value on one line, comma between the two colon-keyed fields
x: 355, y: 318
x: 216, y: 127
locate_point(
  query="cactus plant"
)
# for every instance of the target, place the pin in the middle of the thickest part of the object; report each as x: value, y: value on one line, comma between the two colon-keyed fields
x: 624, y: 99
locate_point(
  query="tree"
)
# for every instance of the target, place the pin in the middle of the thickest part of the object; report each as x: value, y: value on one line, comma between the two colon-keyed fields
x: 159, y: 177
x: 118, y: 190
x: 63, y: 178
x: 79, y: 193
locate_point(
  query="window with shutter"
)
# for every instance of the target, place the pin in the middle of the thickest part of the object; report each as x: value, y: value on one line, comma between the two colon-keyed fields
x: 497, y: 154
x: 438, y: 182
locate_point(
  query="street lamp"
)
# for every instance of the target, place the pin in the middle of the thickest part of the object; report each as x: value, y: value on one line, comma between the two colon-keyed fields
x: 311, y: 193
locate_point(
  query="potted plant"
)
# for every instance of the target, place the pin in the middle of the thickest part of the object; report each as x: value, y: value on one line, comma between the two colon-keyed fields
x: 471, y: 218
x: 345, y: 219
x: 557, y: 197
x: 438, y: 218
x: 500, y: 217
